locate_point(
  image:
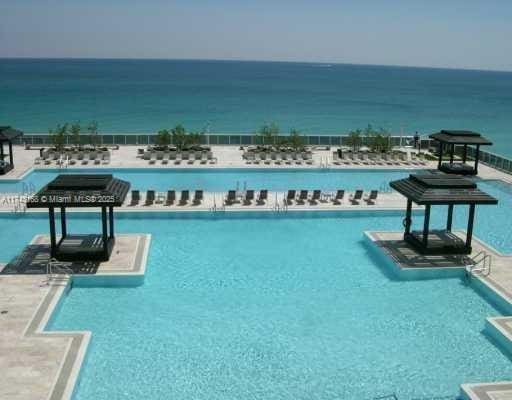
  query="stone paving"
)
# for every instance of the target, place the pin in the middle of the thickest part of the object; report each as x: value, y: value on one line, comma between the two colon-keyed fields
x: 40, y: 365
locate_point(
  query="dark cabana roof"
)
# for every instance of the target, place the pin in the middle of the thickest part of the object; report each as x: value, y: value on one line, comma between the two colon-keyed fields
x: 441, y: 189
x: 460, y: 137
x: 94, y: 190
x: 8, y: 134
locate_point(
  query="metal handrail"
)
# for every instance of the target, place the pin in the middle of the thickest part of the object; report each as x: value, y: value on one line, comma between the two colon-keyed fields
x: 216, y: 208
x: 20, y: 207
x: 54, y: 267
x: 480, y: 253
x: 482, y: 264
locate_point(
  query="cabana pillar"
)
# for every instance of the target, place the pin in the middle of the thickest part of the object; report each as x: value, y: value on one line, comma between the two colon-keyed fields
x: 477, y: 158
x: 63, y: 228
x: 471, y: 220
x: 53, y: 240
x: 440, y: 159
x: 426, y: 224
x: 11, y: 158
x: 408, y: 217
x: 449, y: 218
x: 104, y: 228
x: 111, y: 221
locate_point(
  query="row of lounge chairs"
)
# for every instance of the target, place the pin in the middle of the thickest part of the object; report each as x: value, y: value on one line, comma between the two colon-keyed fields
x: 170, y: 198
x: 302, y: 196
x: 278, y: 158
x: 377, y: 159
x: 73, y: 158
x: 176, y: 157
x: 249, y: 197
x: 316, y: 196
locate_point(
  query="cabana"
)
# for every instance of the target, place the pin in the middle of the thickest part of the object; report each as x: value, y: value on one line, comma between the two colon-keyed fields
x: 459, y: 138
x: 7, y: 135
x: 440, y: 189
x: 82, y: 191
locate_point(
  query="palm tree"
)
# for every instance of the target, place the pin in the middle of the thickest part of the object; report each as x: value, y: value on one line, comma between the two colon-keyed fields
x: 75, y: 133
x: 58, y: 136
x: 268, y: 133
x: 179, y: 136
x: 93, y: 133
x: 354, y: 139
x: 295, y: 139
x: 163, y: 138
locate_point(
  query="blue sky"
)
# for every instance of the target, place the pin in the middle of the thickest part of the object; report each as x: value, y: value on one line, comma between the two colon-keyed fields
x: 450, y: 33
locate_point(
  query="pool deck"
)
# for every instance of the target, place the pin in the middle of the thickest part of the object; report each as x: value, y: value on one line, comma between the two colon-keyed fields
x: 496, y: 286
x: 214, y: 202
x: 45, y: 365
x: 226, y: 157
x: 40, y: 365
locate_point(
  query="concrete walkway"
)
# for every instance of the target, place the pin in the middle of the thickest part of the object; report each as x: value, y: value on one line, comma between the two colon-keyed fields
x: 41, y: 365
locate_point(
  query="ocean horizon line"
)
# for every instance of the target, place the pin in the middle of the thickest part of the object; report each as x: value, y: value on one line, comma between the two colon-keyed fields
x: 220, y: 60
x: 233, y: 97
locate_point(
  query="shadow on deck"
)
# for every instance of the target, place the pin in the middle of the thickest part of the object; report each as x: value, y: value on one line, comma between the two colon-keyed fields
x: 33, y: 260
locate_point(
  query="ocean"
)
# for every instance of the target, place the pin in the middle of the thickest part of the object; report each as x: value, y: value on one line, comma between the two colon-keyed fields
x: 143, y: 96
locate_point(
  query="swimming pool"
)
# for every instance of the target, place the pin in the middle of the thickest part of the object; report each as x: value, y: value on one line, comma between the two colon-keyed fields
x: 222, y: 180
x: 268, y: 306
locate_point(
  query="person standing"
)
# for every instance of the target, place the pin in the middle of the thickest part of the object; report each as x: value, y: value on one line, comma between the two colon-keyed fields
x: 416, y: 140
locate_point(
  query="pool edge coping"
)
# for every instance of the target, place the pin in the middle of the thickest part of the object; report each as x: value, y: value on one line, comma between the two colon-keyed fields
x: 68, y: 375
x: 494, y: 326
x: 67, y: 378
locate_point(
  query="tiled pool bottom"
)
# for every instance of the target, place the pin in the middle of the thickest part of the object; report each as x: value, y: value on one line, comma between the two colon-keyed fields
x: 277, y: 308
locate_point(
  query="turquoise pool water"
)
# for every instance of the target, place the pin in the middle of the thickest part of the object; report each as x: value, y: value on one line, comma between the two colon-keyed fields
x: 267, y: 306
x: 226, y: 179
